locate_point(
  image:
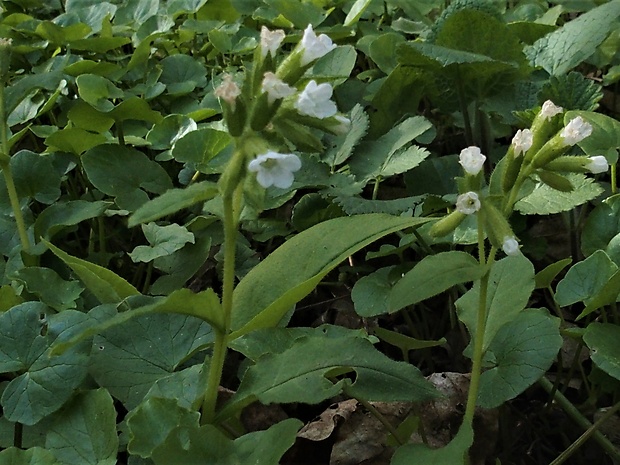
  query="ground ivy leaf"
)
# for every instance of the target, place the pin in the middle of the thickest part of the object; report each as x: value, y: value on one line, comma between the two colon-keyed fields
x: 182, y: 74
x: 59, y: 215
x: 26, y: 333
x: 585, y: 279
x: 511, y: 283
x: 185, y: 387
x: 545, y: 200
x: 35, y: 177
x: 371, y: 293
x: 33, y: 456
x: 163, y: 135
x: 565, y: 48
x: 163, y: 240
x: 84, y: 432
x: 200, y: 146
x: 97, y: 90
x: 600, y: 231
x: 602, y: 339
x: 524, y: 350
x: 51, y: 289
x: 129, y: 358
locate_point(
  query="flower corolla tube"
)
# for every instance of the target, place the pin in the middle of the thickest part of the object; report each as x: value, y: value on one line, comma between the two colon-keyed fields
x: 228, y: 91
x: 275, y: 169
x: 550, y: 109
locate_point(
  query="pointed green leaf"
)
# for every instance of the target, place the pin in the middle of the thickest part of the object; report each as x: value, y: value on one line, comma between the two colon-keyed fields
x: 60, y: 215
x: 606, y: 296
x: 356, y: 12
x: 105, y: 285
x: 545, y: 277
x: 602, y: 340
x: 51, y: 289
x: 560, y: 51
x: 84, y: 432
x: 433, y: 275
x: 97, y: 90
x: 163, y: 240
x: 290, y: 273
x: 44, y: 383
x: 600, y: 231
x: 523, y: 350
x: 511, y: 283
x: 172, y: 201
x: 585, y: 279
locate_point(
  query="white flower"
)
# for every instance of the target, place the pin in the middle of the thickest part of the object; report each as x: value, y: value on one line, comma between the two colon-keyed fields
x: 549, y: 110
x: 275, y: 169
x: 598, y: 164
x: 270, y: 41
x: 522, y: 141
x: 471, y: 159
x: 315, y: 101
x: 468, y: 203
x: 275, y: 88
x: 228, y: 91
x: 314, y: 47
x: 575, y: 131
x: 510, y: 246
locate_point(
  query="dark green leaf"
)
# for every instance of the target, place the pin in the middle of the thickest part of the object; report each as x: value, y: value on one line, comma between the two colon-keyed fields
x: 51, y: 289
x: 602, y: 340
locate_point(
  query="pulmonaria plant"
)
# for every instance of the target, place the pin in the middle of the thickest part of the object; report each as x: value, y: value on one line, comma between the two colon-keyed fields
x: 275, y: 88
x: 270, y: 41
x: 468, y: 203
x: 314, y: 47
x: 522, y: 141
x: 575, y: 131
x: 315, y: 100
x: 472, y: 160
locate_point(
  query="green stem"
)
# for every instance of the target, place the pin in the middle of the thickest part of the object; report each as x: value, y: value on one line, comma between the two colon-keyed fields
x: 476, y: 369
x: 578, y: 418
x: 220, y: 345
x: 614, y: 183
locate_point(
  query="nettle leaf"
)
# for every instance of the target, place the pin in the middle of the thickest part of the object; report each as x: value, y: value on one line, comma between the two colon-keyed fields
x: 172, y: 201
x: 51, y: 289
x: 46, y: 382
x: 602, y: 340
x: 358, y: 206
x: 163, y: 241
x: 567, y: 47
x: 433, y: 275
x: 383, y: 157
x: 35, y: 176
x: 523, y: 351
x: 97, y: 90
x: 200, y: 146
x: 128, y: 358
x: 151, y: 422
x: 300, y: 374
x: 182, y: 74
x: 585, y: 279
x: 600, y: 231
x: 105, y: 285
x: 342, y: 147
x: 272, y: 287
x: 61, y: 215
x: 455, y: 453
x: 545, y: 200
x: 84, y: 431
x: 511, y: 283
x: 124, y: 172
x: 208, y: 444
x: 32, y: 456
x: 572, y: 91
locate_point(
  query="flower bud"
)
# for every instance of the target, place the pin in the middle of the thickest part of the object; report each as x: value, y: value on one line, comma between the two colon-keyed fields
x: 555, y: 181
x: 447, y: 224
x: 233, y: 108
x: 597, y: 164
x: 522, y: 141
x: 575, y: 131
x: 544, y: 125
x: 496, y: 224
x: 510, y: 246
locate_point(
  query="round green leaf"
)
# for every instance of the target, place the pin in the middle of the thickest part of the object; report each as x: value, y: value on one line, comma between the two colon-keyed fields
x: 602, y: 339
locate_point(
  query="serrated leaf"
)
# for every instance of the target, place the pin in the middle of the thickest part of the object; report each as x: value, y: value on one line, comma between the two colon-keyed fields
x: 545, y: 200
x: 433, y: 275
x: 602, y: 340
x: 105, y: 285
x: 344, y: 145
x: 163, y: 241
x: 172, y: 201
x: 84, y: 432
x: 44, y: 383
x: 567, y: 47
x: 585, y: 279
x: 271, y: 288
x: 572, y: 91
x: 511, y: 282
x: 523, y: 350
x: 358, y: 206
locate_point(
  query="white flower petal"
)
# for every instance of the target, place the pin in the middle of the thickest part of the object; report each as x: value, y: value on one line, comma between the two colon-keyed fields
x: 228, y: 90
x: 471, y: 159
x: 468, y: 203
x: 549, y: 110
x: 575, y: 131
x: 314, y: 47
x: 315, y: 101
x: 270, y: 41
x: 510, y: 246
x: 275, y: 88
x: 275, y: 169
x: 598, y: 164
x: 522, y: 141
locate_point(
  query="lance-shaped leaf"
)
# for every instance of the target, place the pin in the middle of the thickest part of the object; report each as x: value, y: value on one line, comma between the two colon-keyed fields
x: 300, y: 374
x: 46, y: 382
x: 290, y: 273
x: 433, y: 275
x: 105, y: 285
x: 523, y: 350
